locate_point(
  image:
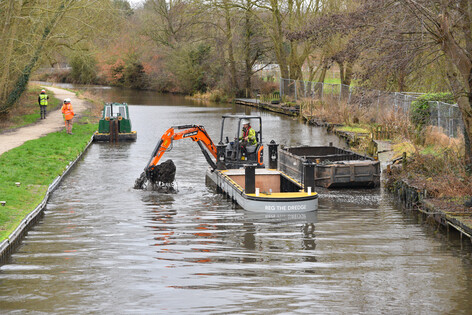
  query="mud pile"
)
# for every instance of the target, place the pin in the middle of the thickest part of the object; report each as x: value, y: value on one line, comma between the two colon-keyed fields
x: 160, y: 178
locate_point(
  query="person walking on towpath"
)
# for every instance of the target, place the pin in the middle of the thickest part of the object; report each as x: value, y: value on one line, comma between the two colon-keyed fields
x: 68, y: 113
x: 54, y: 123
x: 43, y: 103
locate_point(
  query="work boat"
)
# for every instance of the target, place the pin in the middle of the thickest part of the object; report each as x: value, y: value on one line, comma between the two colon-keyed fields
x: 263, y: 190
x: 237, y: 168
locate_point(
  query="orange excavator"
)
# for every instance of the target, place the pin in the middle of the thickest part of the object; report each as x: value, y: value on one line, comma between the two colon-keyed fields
x: 226, y: 154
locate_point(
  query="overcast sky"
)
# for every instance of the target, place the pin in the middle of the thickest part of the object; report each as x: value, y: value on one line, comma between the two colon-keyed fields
x: 135, y: 2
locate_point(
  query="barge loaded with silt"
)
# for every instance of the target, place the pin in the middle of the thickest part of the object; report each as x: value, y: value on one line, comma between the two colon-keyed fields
x: 115, y: 124
x: 236, y: 168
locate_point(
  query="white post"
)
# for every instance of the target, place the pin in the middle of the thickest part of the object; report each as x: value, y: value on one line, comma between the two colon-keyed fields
x: 281, y: 92
x: 439, y: 115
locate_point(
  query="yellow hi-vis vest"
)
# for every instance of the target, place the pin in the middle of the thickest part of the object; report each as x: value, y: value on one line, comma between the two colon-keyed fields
x: 43, y: 99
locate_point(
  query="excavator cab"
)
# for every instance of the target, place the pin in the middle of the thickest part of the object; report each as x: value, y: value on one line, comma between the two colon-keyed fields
x: 238, y: 152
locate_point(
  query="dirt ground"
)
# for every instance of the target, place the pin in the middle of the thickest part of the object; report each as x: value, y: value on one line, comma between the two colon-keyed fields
x: 53, y: 122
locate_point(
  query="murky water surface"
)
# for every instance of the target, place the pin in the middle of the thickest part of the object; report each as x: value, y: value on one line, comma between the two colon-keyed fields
x: 103, y: 247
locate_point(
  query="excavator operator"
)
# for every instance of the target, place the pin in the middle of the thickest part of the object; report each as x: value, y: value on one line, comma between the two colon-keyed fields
x: 248, y: 137
x: 248, y: 134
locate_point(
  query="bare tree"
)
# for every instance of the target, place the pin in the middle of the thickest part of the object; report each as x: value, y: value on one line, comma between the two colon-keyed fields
x: 34, y: 29
x: 280, y: 18
x: 402, y: 37
x: 448, y: 24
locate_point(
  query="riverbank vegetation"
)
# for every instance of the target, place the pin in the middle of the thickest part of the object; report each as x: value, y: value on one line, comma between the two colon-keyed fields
x: 434, y: 161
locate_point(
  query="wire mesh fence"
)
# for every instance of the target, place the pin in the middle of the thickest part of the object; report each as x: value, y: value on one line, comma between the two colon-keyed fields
x: 443, y: 115
x: 447, y: 117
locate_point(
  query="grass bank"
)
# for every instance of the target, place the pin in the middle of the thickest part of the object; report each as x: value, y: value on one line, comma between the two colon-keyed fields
x: 35, y: 165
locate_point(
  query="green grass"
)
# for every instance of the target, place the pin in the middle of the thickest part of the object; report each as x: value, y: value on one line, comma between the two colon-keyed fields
x: 24, y: 120
x: 332, y: 81
x: 35, y: 164
x: 432, y: 150
x: 354, y: 129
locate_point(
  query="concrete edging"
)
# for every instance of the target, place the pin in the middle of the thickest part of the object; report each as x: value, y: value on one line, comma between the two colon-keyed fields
x: 15, y: 238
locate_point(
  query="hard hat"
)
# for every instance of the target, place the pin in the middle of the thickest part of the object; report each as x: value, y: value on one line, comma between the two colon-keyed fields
x: 244, y: 121
x: 43, y: 91
x: 67, y: 100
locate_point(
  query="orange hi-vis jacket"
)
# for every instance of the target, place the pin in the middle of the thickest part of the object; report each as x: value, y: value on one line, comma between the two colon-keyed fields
x: 67, y: 111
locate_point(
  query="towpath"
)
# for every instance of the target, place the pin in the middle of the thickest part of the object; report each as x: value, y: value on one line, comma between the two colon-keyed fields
x: 53, y: 122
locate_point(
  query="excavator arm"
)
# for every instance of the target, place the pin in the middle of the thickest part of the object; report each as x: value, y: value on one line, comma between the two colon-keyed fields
x: 195, y: 132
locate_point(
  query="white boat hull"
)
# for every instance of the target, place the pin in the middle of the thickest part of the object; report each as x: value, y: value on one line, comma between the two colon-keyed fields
x: 264, y: 203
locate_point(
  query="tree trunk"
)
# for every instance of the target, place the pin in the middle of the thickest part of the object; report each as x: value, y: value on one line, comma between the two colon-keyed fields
x: 229, y: 40
x: 459, y: 61
x: 22, y: 81
x: 314, y: 69
x: 324, y: 70
x: 247, y: 54
x: 278, y: 40
x: 8, y: 37
x: 463, y: 98
x: 465, y: 104
x: 345, y: 72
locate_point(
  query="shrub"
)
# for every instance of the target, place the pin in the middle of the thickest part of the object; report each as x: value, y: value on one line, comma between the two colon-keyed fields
x: 191, y: 67
x: 84, y: 68
x: 134, y: 75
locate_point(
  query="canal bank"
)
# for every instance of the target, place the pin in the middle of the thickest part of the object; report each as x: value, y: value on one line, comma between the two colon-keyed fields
x: 9, y: 244
x: 33, y: 161
x: 446, y: 213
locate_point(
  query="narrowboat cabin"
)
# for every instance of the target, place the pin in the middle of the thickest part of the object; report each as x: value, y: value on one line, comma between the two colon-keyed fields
x: 115, y: 124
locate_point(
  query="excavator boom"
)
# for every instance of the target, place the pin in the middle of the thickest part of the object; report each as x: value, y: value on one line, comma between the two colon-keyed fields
x: 195, y: 132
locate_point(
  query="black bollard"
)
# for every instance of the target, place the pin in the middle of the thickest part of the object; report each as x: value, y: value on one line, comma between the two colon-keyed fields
x: 309, y: 176
x: 273, y: 155
x: 220, y: 156
x: 250, y: 179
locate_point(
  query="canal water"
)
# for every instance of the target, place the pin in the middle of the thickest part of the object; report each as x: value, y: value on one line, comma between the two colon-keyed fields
x: 103, y: 247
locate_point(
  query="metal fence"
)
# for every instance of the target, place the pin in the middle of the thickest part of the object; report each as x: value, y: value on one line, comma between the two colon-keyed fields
x: 446, y: 116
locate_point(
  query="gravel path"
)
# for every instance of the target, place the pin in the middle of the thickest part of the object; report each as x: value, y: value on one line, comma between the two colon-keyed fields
x: 53, y: 122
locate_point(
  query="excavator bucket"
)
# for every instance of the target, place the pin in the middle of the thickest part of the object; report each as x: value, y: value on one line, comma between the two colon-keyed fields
x: 161, y: 177
x: 163, y: 173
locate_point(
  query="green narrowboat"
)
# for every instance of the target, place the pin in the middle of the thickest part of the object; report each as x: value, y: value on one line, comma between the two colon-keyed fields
x: 115, y: 124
